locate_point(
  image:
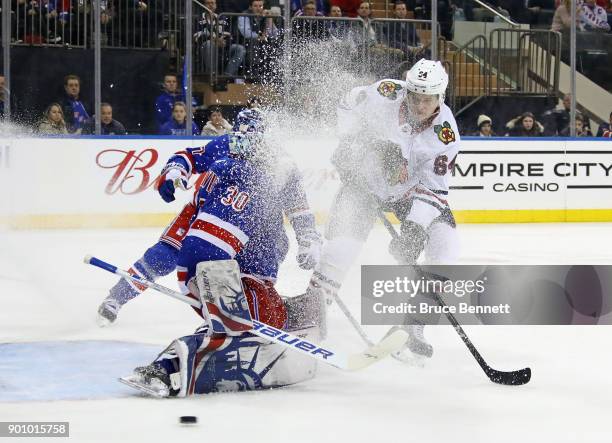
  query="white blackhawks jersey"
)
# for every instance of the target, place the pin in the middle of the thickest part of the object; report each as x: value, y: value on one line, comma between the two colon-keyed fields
x: 428, y: 153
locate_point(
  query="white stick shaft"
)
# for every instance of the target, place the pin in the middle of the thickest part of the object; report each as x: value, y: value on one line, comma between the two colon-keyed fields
x: 352, y: 320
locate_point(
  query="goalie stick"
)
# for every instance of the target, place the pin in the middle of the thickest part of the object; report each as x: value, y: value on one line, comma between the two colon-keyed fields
x: 351, y: 362
x: 514, y: 378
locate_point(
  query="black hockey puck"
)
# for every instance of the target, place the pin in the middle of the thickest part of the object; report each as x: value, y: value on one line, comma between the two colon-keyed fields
x: 188, y: 420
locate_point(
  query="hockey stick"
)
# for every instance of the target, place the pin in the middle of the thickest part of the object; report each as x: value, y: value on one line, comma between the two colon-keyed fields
x: 352, y: 362
x: 514, y: 378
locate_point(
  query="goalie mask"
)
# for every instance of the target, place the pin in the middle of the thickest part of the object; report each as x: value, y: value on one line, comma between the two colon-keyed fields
x: 243, y: 145
x: 426, y: 83
x: 249, y: 121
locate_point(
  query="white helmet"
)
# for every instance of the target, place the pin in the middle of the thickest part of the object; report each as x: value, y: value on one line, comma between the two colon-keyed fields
x: 427, y: 77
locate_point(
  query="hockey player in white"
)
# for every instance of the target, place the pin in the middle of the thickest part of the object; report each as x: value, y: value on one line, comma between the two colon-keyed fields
x: 397, y: 149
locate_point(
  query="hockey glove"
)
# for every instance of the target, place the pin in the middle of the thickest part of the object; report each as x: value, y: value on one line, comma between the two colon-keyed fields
x: 172, y: 177
x: 410, y: 243
x: 309, y: 250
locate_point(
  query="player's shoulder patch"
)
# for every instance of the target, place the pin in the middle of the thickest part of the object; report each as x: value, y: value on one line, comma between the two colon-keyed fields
x: 389, y: 89
x: 445, y: 133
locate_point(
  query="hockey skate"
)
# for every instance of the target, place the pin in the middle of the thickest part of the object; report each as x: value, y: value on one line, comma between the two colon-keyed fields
x: 307, y: 310
x: 107, y: 312
x: 152, y: 380
x: 416, y: 349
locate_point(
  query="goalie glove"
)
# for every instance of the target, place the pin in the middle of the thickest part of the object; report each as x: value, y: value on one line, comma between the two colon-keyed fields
x: 173, y: 176
x: 309, y: 250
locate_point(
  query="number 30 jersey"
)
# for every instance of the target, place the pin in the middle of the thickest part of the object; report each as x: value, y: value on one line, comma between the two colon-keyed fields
x: 233, y: 208
x: 426, y: 153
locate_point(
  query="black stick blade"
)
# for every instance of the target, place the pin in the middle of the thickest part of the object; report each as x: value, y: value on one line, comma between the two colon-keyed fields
x: 512, y: 378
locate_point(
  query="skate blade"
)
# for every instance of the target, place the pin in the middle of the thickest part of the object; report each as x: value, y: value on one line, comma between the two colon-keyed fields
x: 103, y: 322
x: 142, y: 388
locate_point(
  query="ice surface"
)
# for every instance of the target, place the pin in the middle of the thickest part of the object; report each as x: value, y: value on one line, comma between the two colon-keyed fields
x: 48, y: 294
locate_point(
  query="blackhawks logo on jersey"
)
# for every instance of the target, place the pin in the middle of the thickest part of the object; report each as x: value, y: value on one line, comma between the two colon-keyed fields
x: 389, y: 89
x: 445, y: 133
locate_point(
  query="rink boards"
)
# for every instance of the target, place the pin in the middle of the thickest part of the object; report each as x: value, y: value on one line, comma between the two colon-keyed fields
x: 95, y: 182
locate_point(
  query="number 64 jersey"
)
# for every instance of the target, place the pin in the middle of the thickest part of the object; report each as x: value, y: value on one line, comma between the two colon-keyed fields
x: 428, y: 151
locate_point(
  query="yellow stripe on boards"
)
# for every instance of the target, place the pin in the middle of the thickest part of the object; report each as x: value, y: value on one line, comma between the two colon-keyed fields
x: 72, y: 221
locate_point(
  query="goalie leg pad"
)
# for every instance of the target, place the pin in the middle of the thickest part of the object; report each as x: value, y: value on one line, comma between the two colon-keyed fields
x: 222, y: 363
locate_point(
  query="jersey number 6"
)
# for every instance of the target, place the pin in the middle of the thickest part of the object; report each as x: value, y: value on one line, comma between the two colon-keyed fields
x: 235, y: 198
x: 441, y: 165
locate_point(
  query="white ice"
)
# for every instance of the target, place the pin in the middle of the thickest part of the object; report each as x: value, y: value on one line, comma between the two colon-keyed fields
x: 47, y: 293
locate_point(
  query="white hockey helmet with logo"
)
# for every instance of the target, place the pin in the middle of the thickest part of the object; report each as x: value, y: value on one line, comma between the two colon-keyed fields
x: 427, y: 77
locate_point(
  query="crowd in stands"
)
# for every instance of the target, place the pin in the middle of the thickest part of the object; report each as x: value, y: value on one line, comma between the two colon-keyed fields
x: 248, y: 46
x: 69, y: 115
x: 554, y: 122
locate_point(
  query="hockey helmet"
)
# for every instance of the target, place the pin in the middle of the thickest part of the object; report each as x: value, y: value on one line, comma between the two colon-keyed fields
x: 249, y: 121
x: 427, y: 77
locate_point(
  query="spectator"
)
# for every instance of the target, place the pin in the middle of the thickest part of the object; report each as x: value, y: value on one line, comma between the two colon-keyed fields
x: 310, y: 8
x: 340, y: 29
x: 365, y: 14
x: 593, y: 17
x: 349, y: 7
x: 216, y: 124
x: 215, y: 38
x: 403, y: 35
x: 582, y: 130
x: 73, y: 109
x: 321, y: 6
x: 556, y: 120
x: 485, y: 128
x: 108, y: 126
x: 257, y: 29
x: 262, y: 39
x: 335, y: 11
x: 524, y: 126
x: 605, y: 129
x: 176, y: 125
x: 309, y: 29
x: 53, y: 122
x: 562, y: 19
x: 164, y: 103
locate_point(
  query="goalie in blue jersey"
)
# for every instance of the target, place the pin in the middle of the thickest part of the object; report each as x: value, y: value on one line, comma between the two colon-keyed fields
x: 237, y: 218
